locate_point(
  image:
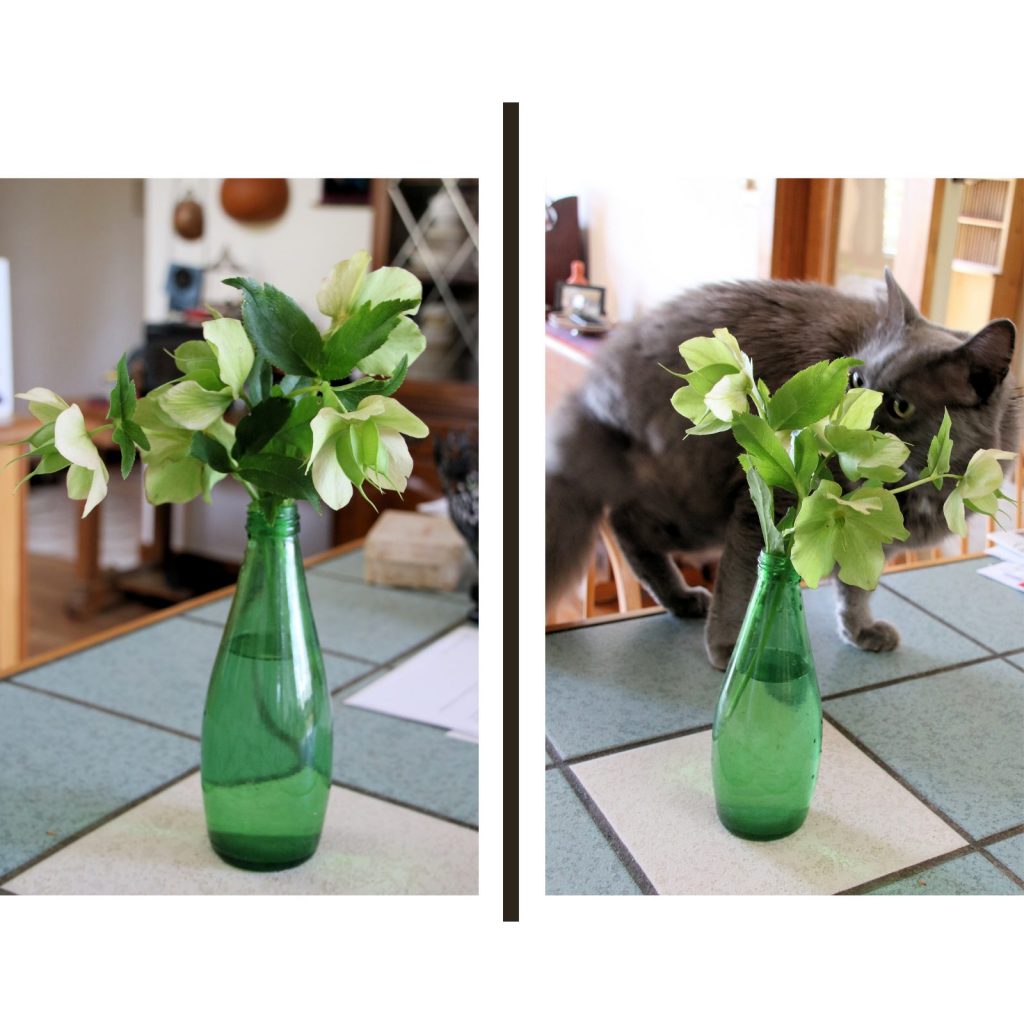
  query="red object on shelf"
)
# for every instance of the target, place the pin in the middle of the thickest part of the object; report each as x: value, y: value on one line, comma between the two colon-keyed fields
x: 577, y: 273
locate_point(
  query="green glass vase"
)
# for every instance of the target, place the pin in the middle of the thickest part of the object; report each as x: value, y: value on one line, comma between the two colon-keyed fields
x: 267, y: 730
x: 766, y: 738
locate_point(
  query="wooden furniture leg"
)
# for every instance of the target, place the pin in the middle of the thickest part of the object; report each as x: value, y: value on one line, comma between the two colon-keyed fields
x: 91, y: 592
x: 13, y: 560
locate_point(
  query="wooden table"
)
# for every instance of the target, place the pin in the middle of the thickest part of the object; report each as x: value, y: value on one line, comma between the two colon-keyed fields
x: 921, y: 786
x: 87, y: 592
x: 99, y: 756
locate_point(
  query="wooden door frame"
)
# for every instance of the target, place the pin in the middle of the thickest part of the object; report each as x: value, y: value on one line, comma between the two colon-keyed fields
x: 805, y: 236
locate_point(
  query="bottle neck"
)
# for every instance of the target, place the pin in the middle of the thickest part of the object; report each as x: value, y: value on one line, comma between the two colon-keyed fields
x: 285, y: 523
x: 776, y: 568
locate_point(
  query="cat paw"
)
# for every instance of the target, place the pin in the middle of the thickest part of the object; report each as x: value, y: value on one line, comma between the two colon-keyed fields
x: 718, y: 654
x: 875, y: 636
x: 690, y: 604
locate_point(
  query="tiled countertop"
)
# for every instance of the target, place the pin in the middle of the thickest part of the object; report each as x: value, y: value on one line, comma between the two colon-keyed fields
x: 99, y: 759
x: 921, y: 786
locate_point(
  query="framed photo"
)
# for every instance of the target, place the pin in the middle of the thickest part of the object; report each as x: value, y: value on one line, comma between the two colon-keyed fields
x: 585, y: 300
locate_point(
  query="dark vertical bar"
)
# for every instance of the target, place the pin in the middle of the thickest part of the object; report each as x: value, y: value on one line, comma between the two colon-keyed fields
x: 510, y: 541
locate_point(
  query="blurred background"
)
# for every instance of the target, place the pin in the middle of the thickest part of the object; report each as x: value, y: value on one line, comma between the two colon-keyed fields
x: 93, y: 268
x: 955, y: 245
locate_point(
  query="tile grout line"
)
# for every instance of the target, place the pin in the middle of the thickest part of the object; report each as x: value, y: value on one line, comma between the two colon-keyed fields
x: 604, y: 826
x: 867, y: 687
x: 864, y: 749
x: 107, y: 711
x: 1005, y: 869
x: 936, y: 617
x: 633, y: 745
x: 405, y: 806
x: 75, y: 836
x: 863, y: 888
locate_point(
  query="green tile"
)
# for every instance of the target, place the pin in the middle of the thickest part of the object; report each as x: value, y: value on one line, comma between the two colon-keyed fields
x: 971, y: 875
x: 957, y: 737
x: 159, y: 673
x: 63, y: 767
x: 578, y: 859
x: 375, y: 623
x: 1011, y: 853
x: 924, y: 643
x: 627, y: 681
x: 407, y: 761
x: 956, y: 593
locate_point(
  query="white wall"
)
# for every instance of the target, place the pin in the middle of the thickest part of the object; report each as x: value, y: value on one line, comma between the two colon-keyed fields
x: 75, y: 248
x: 294, y: 252
x: 650, y: 238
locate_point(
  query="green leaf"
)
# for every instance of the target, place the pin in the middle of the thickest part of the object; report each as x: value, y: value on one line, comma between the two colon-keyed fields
x: 805, y: 456
x: 292, y: 381
x: 810, y: 395
x: 767, y: 454
x: 367, y: 386
x: 136, y: 434
x: 210, y: 452
x: 122, y: 396
x: 763, y: 503
x: 281, y: 332
x: 279, y: 474
x: 360, y: 335
x: 858, y: 408
x: 124, y: 442
x: 939, y: 452
x: 868, y: 454
x: 257, y: 429
x: 260, y: 380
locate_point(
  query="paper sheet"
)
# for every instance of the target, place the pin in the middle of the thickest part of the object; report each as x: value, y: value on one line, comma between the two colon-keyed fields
x: 1010, y: 573
x: 437, y: 686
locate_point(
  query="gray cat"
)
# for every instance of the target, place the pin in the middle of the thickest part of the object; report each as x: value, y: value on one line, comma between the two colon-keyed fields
x: 617, y: 446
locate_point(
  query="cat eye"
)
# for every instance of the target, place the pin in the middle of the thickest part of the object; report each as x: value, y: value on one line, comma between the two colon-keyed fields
x: 899, y: 407
x: 856, y: 380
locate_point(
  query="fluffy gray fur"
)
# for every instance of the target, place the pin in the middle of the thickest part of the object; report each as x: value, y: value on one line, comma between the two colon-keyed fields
x: 617, y: 446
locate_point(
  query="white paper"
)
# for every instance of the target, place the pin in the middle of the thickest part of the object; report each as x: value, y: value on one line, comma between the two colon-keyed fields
x: 1009, y: 545
x: 1010, y: 573
x: 437, y: 686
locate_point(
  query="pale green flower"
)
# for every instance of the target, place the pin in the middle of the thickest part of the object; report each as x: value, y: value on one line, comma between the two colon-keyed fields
x: 87, y: 475
x: 348, y: 287
x: 44, y: 404
x: 976, y: 489
x: 364, y: 444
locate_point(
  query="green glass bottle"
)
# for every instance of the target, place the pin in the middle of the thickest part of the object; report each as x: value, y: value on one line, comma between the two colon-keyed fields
x: 766, y: 738
x: 267, y: 730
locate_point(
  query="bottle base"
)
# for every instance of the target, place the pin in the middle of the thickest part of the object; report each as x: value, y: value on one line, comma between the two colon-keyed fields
x: 763, y: 829
x: 273, y: 854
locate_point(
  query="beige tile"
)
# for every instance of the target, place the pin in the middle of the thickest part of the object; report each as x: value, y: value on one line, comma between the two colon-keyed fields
x: 862, y: 823
x: 368, y: 847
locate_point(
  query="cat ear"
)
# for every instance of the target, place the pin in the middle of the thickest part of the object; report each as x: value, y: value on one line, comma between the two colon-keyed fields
x: 989, y: 354
x: 900, y: 310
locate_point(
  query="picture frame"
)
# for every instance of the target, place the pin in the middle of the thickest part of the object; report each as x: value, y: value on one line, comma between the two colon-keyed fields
x: 586, y: 300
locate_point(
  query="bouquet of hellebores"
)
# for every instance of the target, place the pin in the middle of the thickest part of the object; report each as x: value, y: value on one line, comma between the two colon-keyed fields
x: 809, y: 437
x: 290, y: 412
x: 310, y: 434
